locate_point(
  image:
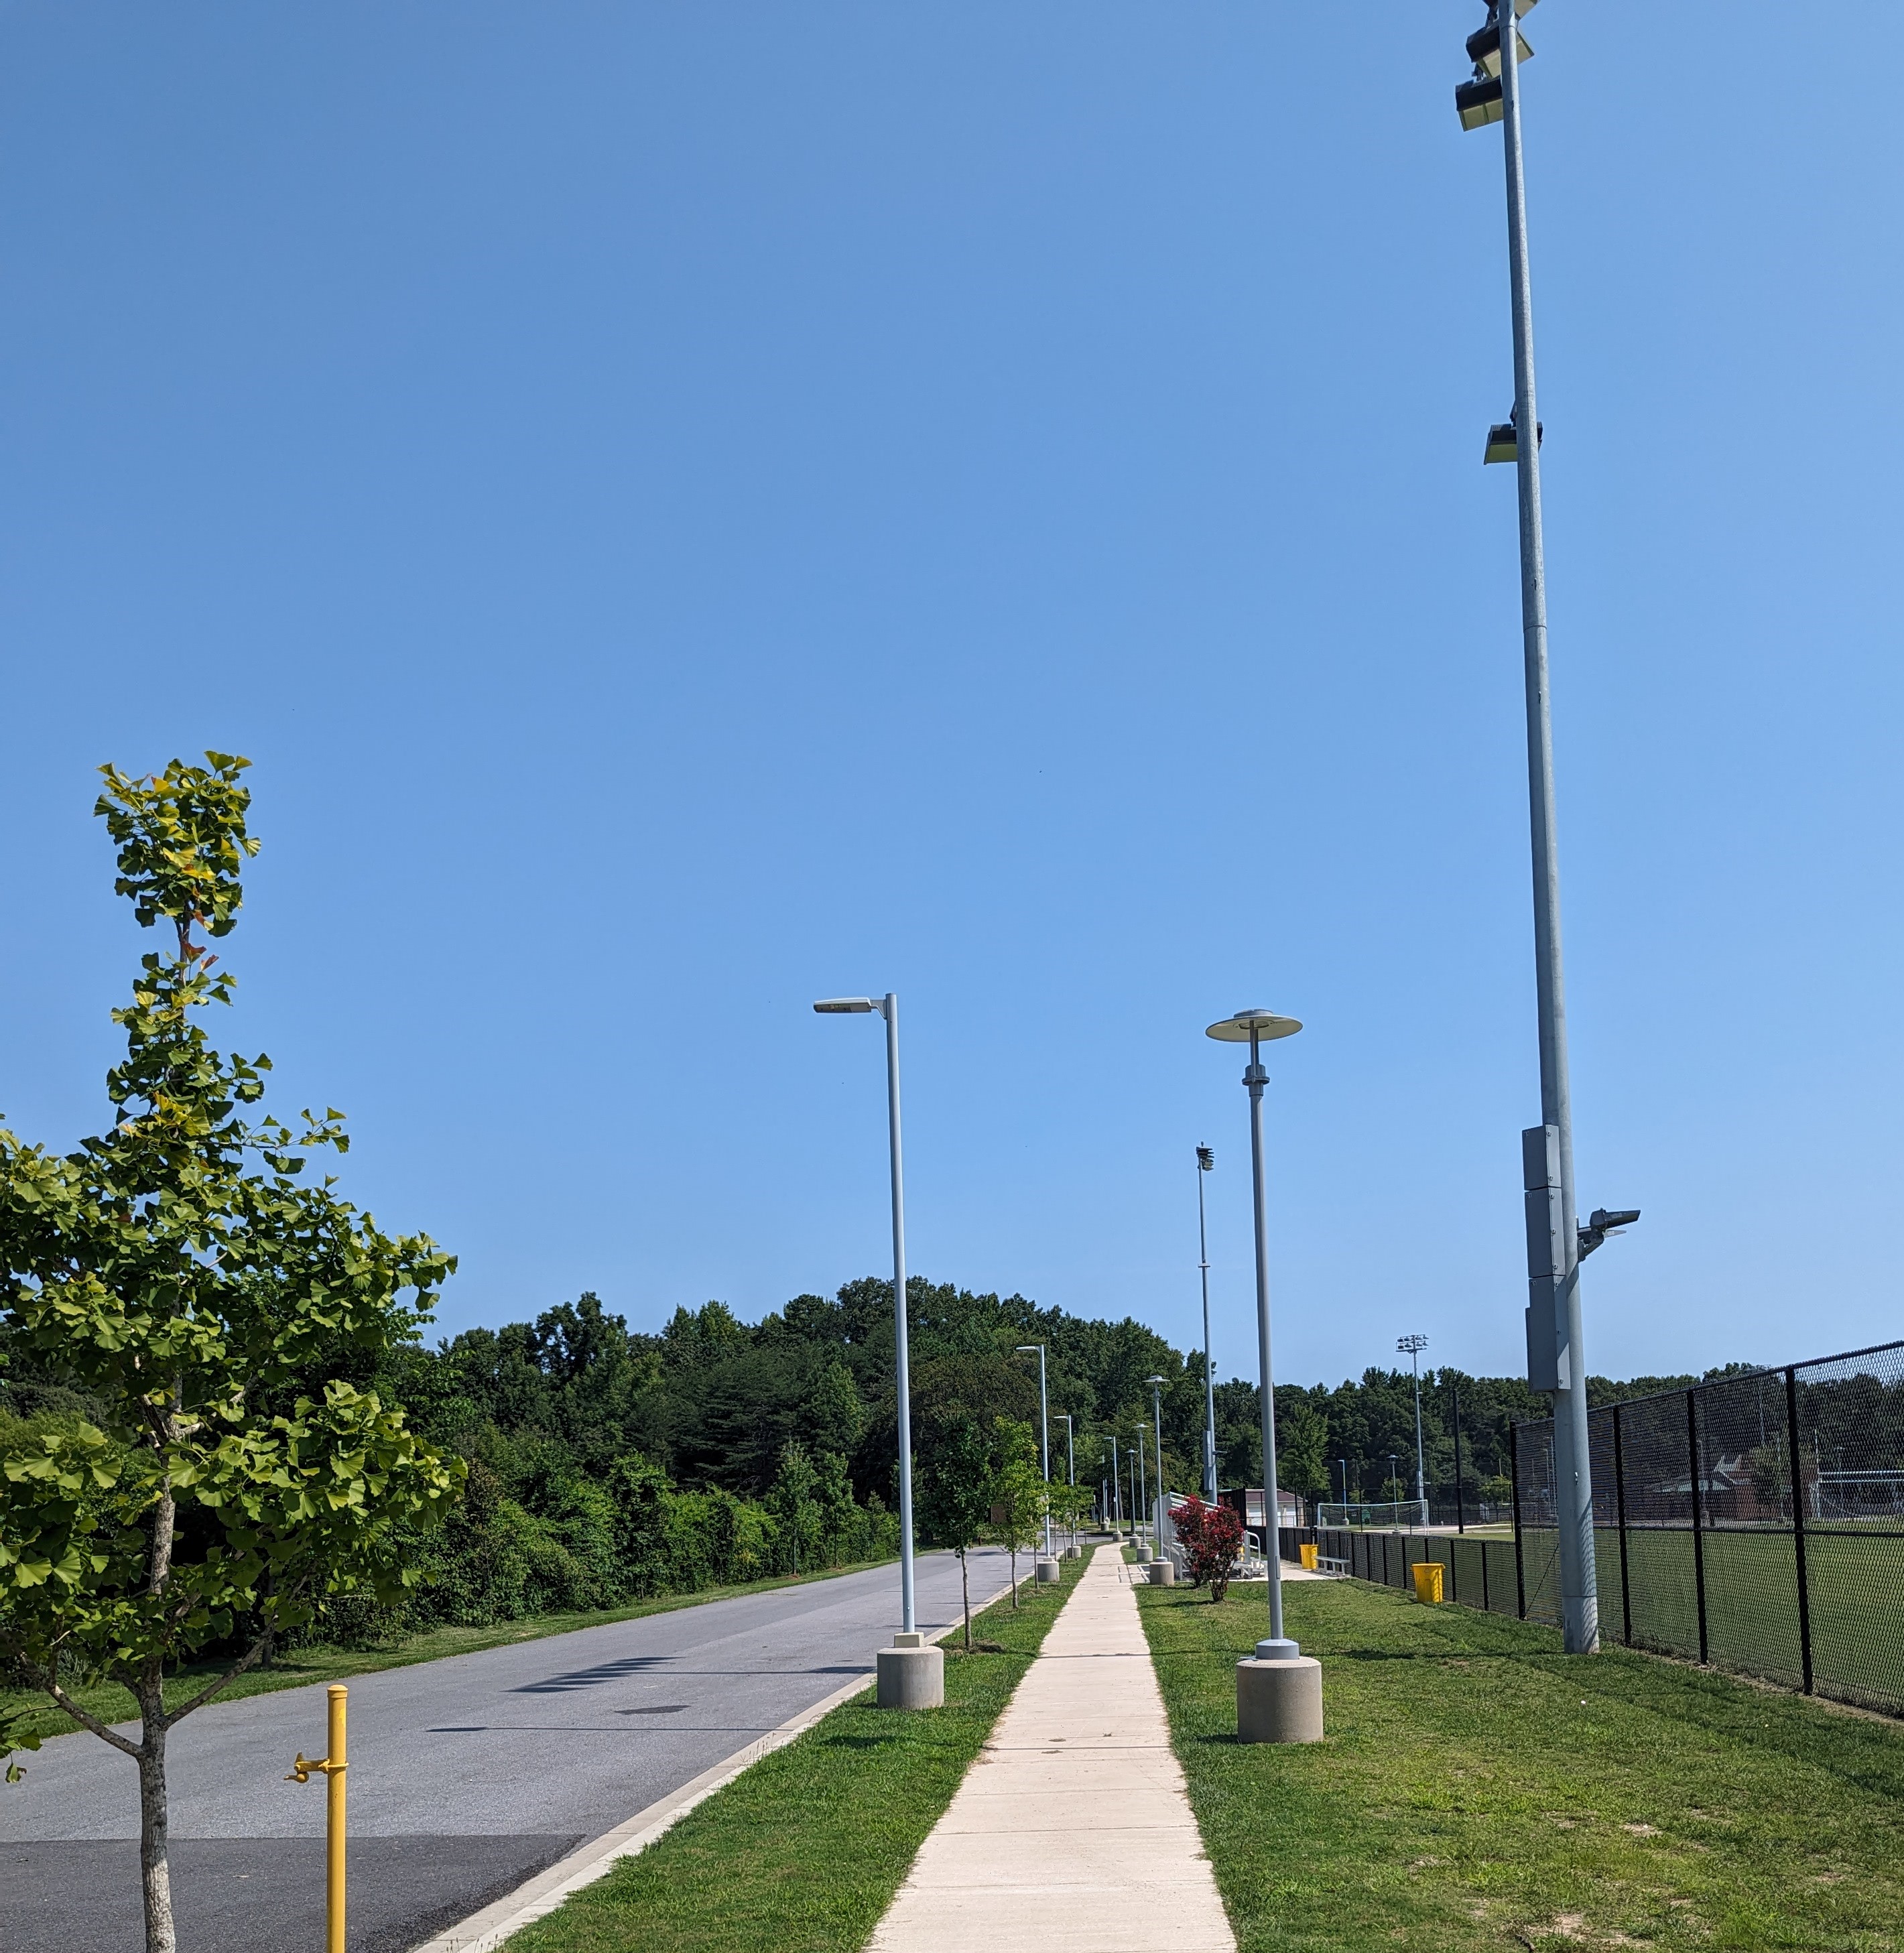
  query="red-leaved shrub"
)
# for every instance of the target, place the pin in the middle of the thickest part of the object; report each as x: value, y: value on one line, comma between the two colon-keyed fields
x: 1211, y: 1537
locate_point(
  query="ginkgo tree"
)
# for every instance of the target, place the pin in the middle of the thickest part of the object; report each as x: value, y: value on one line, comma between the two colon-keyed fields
x: 192, y: 1279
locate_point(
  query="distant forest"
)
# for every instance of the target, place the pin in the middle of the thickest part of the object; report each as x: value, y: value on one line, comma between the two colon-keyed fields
x: 605, y: 1463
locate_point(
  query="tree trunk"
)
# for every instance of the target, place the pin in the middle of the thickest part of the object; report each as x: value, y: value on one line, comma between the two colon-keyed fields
x: 1014, y: 1552
x: 154, y: 1870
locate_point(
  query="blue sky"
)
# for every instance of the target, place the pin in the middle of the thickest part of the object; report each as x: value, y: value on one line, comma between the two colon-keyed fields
x: 693, y: 509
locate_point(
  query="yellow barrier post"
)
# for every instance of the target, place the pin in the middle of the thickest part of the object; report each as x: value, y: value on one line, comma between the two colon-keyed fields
x: 1428, y: 1582
x: 333, y: 1768
x: 1309, y: 1558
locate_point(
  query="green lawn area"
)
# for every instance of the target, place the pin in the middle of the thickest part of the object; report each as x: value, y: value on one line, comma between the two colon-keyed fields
x: 1479, y: 1790
x: 803, y: 1852
x: 318, y: 1662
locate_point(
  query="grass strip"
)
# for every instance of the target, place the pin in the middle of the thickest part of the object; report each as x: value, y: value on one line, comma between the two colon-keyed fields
x: 1479, y: 1789
x: 803, y: 1852
x: 319, y: 1662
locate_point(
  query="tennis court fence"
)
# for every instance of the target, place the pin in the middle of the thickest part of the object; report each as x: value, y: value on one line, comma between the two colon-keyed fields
x: 1755, y: 1522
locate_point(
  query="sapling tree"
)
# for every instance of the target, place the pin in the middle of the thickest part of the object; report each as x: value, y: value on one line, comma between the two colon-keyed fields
x: 1018, y: 1491
x: 191, y: 1278
x: 957, y: 1500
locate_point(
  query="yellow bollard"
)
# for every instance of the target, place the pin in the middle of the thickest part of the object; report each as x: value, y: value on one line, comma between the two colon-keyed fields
x: 1428, y: 1582
x: 333, y: 1767
x: 1308, y: 1557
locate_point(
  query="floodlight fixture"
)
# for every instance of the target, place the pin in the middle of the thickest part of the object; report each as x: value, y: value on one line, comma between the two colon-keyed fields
x: 1603, y: 1223
x: 1503, y: 441
x: 1205, y: 1159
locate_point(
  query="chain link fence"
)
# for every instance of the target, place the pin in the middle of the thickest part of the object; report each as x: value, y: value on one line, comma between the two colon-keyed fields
x: 1755, y: 1523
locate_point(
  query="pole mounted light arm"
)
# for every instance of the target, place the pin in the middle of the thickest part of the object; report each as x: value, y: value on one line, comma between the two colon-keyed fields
x: 1602, y: 1224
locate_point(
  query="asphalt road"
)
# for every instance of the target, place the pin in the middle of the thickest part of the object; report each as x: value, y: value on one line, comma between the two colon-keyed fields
x: 467, y: 1776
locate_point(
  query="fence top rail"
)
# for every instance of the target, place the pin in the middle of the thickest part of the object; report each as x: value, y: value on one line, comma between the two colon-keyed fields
x: 1719, y: 1383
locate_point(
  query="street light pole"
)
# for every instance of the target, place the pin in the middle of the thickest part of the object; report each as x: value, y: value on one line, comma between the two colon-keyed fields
x: 1412, y: 1347
x: 1156, y: 1422
x: 1117, y: 1487
x: 1143, y: 1482
x: 1205, y: 1161
x: 1044, y: 1434
x: 1254, y: 1027
x: 1572, y: 1461
x: 888, y: 1008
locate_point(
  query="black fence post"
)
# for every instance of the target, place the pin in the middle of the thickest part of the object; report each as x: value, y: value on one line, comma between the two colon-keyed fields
x: 1460, y: 1503
x: 1698, y: 1538
x: 1797, y: 1475
x: 1485, y: 1608
x: 1513, y: 1483
x: 1619, y: 1513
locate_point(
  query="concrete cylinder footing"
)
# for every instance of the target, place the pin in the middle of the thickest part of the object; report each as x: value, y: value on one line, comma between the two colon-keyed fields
x: 1047, y: 1573
x: 1143, y: 1555
x: 911, y: 1676
x: 1162, y: 1574
x: 1074, y: 1552
x: 1279, y: 1701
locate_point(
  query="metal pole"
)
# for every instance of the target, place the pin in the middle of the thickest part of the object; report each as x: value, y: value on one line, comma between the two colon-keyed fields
x: 1276, y: 1647
x: 902, y: 1373
x: 1460, y: 1501
x: 1117, y: 1487
x: 1156, y: 1420
x: 1143, y: 1480
x: 1044, y: 1444
x: 1209, y: 1368
x: 1572, y: 1462
x: 1421, y: 1468
x: 1797, y: 1475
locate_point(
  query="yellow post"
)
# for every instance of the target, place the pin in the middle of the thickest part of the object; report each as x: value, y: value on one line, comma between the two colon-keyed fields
x: 333, y: 1767
x: 333, y: 1826
x: 1428, y: 1582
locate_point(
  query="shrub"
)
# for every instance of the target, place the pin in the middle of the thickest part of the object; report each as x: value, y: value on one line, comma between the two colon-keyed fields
x: 1211, y: 1537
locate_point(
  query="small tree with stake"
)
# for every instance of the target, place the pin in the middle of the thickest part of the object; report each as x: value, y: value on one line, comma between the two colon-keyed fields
x: 958, y: 1498
x: 1018, y: 1491
x: 184, y: 1273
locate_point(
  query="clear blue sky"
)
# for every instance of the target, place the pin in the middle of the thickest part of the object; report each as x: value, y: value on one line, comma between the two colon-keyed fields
x: 692, y: 508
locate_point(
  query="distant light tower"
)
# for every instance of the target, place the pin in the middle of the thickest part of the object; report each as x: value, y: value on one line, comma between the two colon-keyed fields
x: 1412, y: 1346
x: 1044, y: 1434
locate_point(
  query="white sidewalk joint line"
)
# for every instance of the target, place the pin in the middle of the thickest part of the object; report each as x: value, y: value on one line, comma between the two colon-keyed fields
x: 1104, y: 1855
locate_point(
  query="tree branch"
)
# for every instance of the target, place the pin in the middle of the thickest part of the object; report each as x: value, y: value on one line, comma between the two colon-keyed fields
x: 86, y: 1719
x: 230, y: 1675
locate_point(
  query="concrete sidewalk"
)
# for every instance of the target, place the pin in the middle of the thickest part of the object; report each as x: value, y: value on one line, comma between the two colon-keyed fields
x: 1073, y: 1828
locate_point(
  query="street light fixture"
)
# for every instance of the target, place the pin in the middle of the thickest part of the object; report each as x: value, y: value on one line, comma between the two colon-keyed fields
x: 1556, y: 1341
x: 1256, y: 1028
x: 1044, y: 1431
x: 888, y: 1007
x: 1206, y: 1163
x: 1156, y: 1424
x: 1412, y: 1347
x: 1603, y: 1223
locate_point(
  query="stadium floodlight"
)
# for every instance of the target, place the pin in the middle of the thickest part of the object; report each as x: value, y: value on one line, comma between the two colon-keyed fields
x: 1602, y: 1224
x: 888, y: 1007
x: 1484, y: 49
x: 1503, y: 441
x: 1412, y: 1347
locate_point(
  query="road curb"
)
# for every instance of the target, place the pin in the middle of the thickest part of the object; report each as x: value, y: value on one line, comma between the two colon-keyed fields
x: 484, y: 1932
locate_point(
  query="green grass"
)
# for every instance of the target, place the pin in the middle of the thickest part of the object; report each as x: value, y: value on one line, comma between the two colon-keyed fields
x: 803, y: 1852
x: 319, y: 1663
x: 1477, y: 1789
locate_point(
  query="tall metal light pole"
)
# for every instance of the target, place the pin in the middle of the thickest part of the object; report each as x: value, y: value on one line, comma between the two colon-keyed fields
x: 1255, y: 1028
x: 1117, y: 1487
x: 1412, y: 1346
x: 1205, y: 1162
x: 1156, y: 1424
x: 1070, y: 1473
x: 888, y: 1008
x: 1044, y: 1433
x: 1557, y: 1347
x: 1143, y: 1502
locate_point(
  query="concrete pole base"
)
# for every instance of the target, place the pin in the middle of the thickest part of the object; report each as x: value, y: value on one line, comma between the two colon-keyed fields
x: 1279, y: 1701
x: 1074, y: 1552
x: 1162, y: 1573
x: 911, y: 1674
x: 1143, y: 1555
x: 1048, y: 1573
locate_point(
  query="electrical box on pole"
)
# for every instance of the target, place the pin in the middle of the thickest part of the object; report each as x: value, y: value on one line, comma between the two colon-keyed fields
x: 1546, y: 1353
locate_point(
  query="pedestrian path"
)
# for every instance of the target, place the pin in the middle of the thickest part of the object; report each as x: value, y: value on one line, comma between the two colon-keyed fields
x: 1073, y: 1829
